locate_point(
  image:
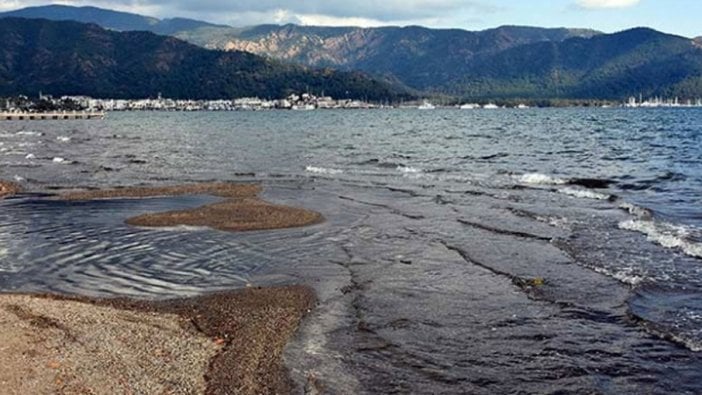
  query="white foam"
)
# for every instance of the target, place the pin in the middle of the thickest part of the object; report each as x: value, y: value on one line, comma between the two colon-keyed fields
x: 408, y: 170
x: 18, y: 178
x: 30, y: 156
x: 539, y: 179
x: 584, y: 194
x: 665, y: 234
x: 25, y: 133
x: 624, y: 275
x: 690, y: 344
x: 322, y: 170
x: 557, y: 222
x: 63, y: 139
x: 59, y: 160
x: 636, y: 210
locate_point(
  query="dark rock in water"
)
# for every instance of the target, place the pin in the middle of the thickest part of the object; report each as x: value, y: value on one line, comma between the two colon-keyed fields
x: 591, y: 183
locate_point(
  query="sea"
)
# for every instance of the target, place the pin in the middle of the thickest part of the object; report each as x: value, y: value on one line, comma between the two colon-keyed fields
x: 464, y: 251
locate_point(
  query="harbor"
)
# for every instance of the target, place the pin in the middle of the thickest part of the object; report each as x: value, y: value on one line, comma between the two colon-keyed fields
x: 47, y: 116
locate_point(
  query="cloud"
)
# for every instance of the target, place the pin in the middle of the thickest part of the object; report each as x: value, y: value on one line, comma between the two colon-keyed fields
x: 364, y: 12
x: 387, y: 10
x: 607, y: 3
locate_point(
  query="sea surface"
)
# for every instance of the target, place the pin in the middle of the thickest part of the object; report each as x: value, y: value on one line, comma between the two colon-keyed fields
x: 465, y: 251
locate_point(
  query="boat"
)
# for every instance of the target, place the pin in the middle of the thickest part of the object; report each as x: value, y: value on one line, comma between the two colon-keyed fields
x: 304, y: 107
x: 426, y: 106
x: 469, y: 106
x: 490, y: 106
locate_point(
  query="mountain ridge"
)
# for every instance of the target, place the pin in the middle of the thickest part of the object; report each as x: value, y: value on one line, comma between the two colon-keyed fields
x: 499, y: 63
x: 71, y: 58
x: 638, y: 61
x: 109, y: 19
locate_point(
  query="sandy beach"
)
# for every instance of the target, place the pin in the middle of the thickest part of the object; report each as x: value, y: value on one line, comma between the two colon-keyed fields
x: 222, y: 343
x: 216, y: 344
x: 242, y: 209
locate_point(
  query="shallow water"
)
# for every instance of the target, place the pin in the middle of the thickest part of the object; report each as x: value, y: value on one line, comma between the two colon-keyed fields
x: 465, y: 251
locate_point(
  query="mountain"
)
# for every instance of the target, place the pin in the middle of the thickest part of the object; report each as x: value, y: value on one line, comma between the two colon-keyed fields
x: 109, y: 19
x: 71, y: 58
x: 420, y: 57
x: 609, y: 66
x: 415, y: 56
x: 506, y: 62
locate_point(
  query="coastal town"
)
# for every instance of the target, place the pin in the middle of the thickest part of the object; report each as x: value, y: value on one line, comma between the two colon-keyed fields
x: 304, y: 101
x: 84, y: 107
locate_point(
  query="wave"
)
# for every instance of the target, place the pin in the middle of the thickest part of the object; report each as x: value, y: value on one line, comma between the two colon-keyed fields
x: 540, y: 179
x: 691, y: 344
x: 640, y: 212
x: 381, y: 164
x: 585, y: 194
x: 666, y: 234
x: 673, y: 334
x: 591, y: 183
x: 322, y: 170
x: 655, y: 182
x: 408, y: 169
x: 623, y: 275
x: 545, y: 179
x: 556, y: 222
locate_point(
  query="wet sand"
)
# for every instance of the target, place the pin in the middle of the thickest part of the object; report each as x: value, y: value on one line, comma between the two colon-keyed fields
x: 8, y: 189
x: 216, y: 344
x: 242, y: 210
x: 222, y: 343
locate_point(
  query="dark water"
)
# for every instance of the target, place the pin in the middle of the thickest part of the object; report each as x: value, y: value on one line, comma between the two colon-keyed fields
x: 534, y: 251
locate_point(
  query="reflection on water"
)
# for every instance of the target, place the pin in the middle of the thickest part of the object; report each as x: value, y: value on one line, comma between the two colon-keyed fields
x: 461, y: 252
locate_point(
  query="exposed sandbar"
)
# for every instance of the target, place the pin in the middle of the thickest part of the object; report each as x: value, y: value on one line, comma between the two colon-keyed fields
x: 225, y: 343
x: 8, y: 189
x: 242, y: 210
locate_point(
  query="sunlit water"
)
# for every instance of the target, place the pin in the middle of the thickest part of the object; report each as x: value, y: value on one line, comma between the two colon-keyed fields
x: 461, y: 252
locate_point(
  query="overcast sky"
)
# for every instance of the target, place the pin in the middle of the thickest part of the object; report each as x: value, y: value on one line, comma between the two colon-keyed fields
x: 672, y: 16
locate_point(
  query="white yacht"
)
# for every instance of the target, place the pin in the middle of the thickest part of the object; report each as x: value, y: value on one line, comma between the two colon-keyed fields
x: 426, y: 106
x: 303, y: 107
x: 469, y: 106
